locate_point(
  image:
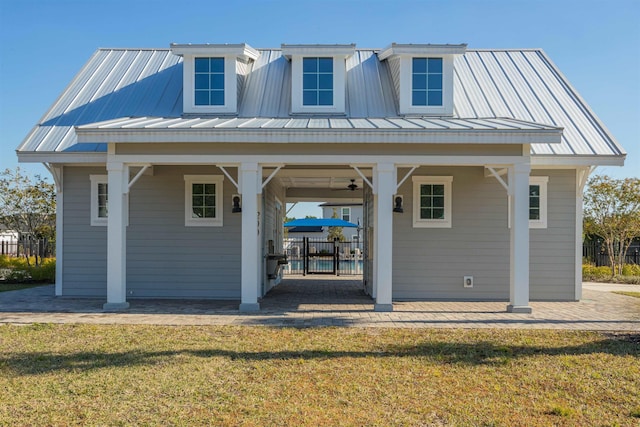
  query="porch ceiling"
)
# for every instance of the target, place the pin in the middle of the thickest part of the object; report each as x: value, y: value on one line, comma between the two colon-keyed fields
x: 320, y: 184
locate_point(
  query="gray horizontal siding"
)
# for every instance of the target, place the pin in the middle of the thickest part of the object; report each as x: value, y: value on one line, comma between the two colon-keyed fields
x: 553, y: 249
x: 84, y: 247
x: 165, y: 259
x: 431, y: 263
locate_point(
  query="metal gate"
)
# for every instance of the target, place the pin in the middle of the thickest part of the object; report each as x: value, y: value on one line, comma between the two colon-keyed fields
x: 318, y: 256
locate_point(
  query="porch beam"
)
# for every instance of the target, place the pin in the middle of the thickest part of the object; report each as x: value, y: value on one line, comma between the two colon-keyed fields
x: 519, y: 239
x: 118, y: 175
x: 359, y: 161
x: 385, y: 183
x: 249, y: 174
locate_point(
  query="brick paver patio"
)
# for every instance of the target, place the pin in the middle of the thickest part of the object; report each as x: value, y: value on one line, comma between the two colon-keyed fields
x: 328, y: 301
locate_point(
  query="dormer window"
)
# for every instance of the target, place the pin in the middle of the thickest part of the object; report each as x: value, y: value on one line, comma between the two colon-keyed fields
x: 213, y: 75
x: 317, y: 81
x: 423, y: 77
x: 318, y: 77
x: 426, y: 81
x: 209, y: 81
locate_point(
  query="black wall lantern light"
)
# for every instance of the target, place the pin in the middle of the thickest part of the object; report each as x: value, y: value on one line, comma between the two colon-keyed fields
x: 397, y: 204
x: 236, y: 204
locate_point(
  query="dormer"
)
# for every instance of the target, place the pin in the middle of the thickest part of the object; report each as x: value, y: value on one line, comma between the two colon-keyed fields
x: 423, y: 76
x: 213, y: 75
x: 318, y: 77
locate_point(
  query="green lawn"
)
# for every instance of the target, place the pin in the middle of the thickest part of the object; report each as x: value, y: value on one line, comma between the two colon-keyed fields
x: 4, y: 287
x: 628, y: 293
x: 257, y: 376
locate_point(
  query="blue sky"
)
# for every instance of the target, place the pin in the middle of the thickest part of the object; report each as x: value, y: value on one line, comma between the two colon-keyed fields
x: 596, y: 44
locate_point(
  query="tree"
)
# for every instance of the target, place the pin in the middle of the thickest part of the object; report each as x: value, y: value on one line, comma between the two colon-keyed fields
x: 27, y: 206
x: 612, y: 212
x: 335, y: 232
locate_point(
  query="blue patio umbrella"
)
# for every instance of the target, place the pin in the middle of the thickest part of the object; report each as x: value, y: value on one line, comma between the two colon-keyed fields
x: 320, y: 222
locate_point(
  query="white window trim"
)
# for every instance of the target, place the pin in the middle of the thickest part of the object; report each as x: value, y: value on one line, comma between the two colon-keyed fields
x: 542, y: 181
x: 230, y: 85
x: 432, y: 223
x: 95, y: 180
x: 189, y: 221
x: 342, y: 213
x: 406, y: 86
x: 339, y: 78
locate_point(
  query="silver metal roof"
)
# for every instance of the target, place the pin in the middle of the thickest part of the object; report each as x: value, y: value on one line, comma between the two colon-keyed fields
x: 316, y: 123
x: 517, y: 90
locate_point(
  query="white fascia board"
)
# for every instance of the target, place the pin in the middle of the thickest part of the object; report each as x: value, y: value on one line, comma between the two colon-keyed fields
x: 555, y: 162
x: 62, y: 158
x: 336, y: 50
x: 383, y: 136
x: 366, y: 161
x: 422, y: 49
x: 241, y: 50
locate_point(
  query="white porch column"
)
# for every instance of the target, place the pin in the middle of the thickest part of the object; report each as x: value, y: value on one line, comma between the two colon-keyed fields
x: 57, y: 173
x: 118, y: 181
x: 249, y: 187
x: 519, y: 251
x: 582, y: 174
x: 384, y: 186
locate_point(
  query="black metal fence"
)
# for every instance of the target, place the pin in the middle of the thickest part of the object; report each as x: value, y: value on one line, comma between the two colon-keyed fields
x: 596, y: 253
x: 29, y: 245
x: 317, y: 256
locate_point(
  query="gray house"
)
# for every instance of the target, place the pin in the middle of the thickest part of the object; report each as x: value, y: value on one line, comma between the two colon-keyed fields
x: 173, y: 166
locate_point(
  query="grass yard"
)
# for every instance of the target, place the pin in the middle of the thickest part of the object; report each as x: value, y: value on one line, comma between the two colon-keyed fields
x: 4, y: 287
x: 628, y: 293
x: 257, y: 376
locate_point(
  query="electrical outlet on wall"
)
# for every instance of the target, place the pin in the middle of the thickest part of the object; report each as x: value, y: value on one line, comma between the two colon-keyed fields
x: 468, y: 281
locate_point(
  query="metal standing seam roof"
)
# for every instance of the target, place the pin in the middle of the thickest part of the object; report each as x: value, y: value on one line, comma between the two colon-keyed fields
x: 493, y: 90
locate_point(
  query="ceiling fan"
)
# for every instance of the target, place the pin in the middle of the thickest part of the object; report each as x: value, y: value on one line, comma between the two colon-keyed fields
x: 351, y: 187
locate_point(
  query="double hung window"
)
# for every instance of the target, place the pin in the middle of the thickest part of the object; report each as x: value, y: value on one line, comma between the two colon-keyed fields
x: 346, y: 214
x: 99, y: 199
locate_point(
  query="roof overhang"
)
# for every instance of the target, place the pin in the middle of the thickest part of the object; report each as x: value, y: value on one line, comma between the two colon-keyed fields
x: 362, y: 136
x: 396, y: 49
x: 318, y: 130
x: 340, y: 50
x: 537, y: 162
x: 240, y: 50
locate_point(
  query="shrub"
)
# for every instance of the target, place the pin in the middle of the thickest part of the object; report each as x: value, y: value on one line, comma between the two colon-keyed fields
x: 591, y: 272
x: 45, y: 272
x: 16, y: 270
x: 631, y: 270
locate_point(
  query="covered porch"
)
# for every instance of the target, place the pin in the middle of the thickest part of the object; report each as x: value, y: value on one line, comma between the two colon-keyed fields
x: 381, y: 180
